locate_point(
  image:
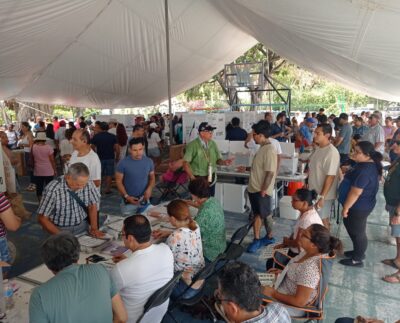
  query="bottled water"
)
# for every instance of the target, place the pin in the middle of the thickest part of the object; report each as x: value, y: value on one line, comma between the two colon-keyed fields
x: 8, y: 295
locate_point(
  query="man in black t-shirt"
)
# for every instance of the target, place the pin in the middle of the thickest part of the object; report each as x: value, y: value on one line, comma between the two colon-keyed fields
x: 106, y: 146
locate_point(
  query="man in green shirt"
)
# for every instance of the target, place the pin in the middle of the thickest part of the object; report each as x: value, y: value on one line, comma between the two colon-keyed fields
x: 202, y: 157
x: 77, y: 293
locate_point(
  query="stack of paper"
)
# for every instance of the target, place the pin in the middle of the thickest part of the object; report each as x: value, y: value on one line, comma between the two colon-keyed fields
x: 266, y: 279
x: 268, y: 251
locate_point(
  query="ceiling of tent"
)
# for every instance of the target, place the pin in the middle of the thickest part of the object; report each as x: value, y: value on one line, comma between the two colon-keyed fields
x: 111, y: 53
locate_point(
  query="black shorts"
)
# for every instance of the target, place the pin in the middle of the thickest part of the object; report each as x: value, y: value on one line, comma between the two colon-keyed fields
x: 260, y: 205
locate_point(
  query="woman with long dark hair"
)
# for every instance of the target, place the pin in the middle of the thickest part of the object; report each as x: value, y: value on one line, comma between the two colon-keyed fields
x: 357, y: 194
x: 122, y: 140
x: 50, y: 137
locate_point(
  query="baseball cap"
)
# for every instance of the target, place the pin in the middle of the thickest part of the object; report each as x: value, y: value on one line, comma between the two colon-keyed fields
x: 310, y: 120
x: 204, y: 126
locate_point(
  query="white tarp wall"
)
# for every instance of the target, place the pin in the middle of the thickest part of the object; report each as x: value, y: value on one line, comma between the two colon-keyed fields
x: 111, y: 53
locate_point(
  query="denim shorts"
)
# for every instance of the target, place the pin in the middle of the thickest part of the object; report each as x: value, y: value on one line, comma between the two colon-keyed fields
x: 154, y: 152
x: 107, y: 167
x: 128, y: 209
x: 5, y: 253
x: 395, y: 227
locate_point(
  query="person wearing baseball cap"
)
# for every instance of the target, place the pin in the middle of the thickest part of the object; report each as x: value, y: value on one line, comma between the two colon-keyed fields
x: 202, y: 157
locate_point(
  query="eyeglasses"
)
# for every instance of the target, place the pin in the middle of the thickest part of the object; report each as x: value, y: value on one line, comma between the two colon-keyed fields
x: 218, y: 298
x: 397, y: 142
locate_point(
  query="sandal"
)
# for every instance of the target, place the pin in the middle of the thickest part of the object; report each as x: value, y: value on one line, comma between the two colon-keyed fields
x: 392, y: 279
x: 391, y: 263
x: 31, y: 187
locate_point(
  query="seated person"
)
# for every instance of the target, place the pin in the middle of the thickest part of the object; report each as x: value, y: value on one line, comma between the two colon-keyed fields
x: 210, y: 218
x: 148, y: 268
x: 303, y: 201
x: 175, y: 173
x: 75, y: 293
x: 237, y: 297
x: 298, y: 284
x: 186, y: 246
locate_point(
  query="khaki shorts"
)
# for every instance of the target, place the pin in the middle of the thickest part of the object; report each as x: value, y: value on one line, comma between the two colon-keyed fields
x: 326, y: 210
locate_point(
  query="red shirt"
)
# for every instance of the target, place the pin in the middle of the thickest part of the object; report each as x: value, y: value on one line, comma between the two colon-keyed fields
x: 56, y: 125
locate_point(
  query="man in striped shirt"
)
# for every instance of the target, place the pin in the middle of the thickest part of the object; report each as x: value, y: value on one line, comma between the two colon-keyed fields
x: 69, y: 201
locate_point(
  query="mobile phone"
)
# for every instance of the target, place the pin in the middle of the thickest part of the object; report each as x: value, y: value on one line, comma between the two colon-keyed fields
x: 95, y: 258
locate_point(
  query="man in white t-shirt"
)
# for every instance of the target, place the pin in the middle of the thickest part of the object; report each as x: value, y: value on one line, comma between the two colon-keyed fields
x: 139, y: 275
x: 112, y: 126
x: 83, y: 153
x: 324, y: 171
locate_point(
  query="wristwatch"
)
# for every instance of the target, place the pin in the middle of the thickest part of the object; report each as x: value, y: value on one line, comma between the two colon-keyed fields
x: 320, y: 197
x: 126, y: 195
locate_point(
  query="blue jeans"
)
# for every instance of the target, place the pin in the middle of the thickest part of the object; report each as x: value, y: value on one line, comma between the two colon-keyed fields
x: 5, y: 253
x: 128, y: 209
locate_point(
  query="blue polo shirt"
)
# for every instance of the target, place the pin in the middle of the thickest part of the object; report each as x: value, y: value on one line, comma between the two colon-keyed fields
x: 276, y: 129
x: 136, y: 174
x: 365, y: 176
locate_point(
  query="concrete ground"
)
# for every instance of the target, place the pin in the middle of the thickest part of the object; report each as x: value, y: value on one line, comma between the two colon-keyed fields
x: 352, y: 291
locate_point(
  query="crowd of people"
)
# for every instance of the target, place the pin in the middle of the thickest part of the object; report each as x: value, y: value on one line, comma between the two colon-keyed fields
x: 345, y: 165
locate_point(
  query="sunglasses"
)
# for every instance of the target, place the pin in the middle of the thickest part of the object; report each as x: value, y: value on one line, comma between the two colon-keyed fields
x: 397, y: 142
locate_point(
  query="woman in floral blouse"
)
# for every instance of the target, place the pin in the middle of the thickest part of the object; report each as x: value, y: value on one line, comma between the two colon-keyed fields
x: 185, y: 244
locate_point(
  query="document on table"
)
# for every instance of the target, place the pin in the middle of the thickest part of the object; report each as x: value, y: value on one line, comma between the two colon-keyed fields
x: 266, y: 279
x: 116, y: 226
x: 268, y: 251
x: 91, y: 242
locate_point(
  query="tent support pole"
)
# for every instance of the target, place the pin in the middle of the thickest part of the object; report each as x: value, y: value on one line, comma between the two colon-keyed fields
x: 168, y: 71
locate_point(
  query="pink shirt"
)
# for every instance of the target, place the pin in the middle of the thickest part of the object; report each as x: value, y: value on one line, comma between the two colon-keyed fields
x: 42, y: 165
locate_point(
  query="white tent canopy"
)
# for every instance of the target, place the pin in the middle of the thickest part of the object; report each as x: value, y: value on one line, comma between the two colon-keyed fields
x: 110, y: 53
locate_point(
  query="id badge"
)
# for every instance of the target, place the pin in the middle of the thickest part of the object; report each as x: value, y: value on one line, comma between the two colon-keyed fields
x: 210, y: 173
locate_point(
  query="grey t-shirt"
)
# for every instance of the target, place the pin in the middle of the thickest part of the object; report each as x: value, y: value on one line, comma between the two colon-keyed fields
x: 376, y: 134
x: 345, y: 132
